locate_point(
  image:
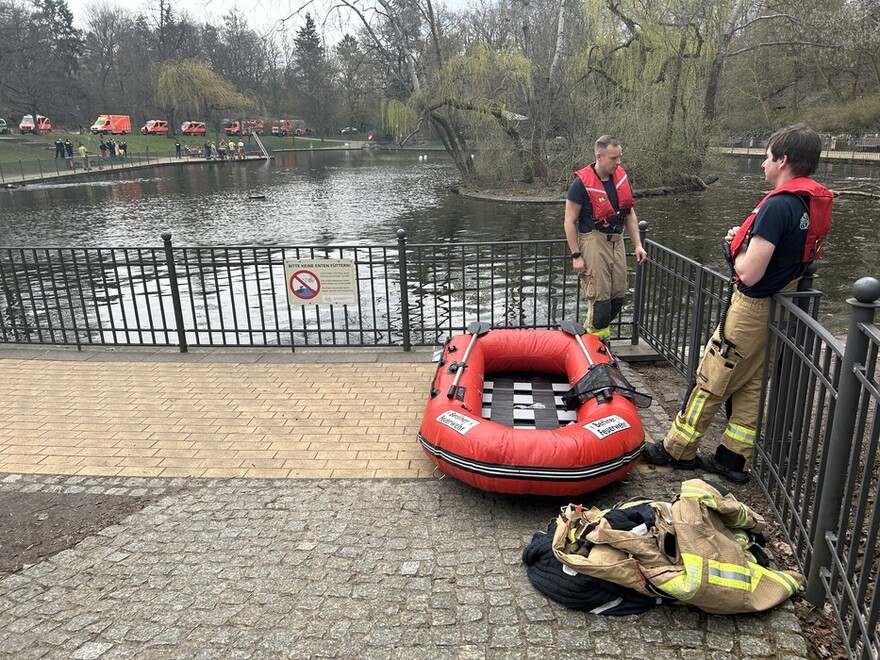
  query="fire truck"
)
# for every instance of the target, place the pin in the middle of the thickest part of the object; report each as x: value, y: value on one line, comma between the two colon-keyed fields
x: 286, y: 127
x: 239, y: 127
x: 39, y: 127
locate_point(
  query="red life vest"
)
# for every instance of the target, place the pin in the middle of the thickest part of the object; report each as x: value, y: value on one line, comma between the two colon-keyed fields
x: 603, y: 212
x: 819, y: 208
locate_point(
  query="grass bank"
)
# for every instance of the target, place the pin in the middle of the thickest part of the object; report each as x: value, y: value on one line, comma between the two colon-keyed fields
x: 15, y: 147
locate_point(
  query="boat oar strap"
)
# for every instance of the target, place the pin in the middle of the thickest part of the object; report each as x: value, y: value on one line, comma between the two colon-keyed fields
x: 602, y: 381
x: 441, y: 362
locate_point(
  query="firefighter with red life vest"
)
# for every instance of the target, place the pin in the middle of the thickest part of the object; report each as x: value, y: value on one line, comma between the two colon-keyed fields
x: 598, y: 207
x: 768, y: 253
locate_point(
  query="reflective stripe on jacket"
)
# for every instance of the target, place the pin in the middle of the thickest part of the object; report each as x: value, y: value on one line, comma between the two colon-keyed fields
x: 700, y: 550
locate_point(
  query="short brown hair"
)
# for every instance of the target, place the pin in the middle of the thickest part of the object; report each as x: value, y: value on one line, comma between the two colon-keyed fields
x: 800, y: 144
x: 606, y: 141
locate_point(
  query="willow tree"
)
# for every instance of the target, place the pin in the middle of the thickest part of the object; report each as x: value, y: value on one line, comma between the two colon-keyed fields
x: 189, y: 88
x: 486, y: 93
x: 633, y: 69
x: 407, y: 38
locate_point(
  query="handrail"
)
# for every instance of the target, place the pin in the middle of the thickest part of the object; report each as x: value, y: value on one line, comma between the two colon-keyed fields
x: 260, y: 145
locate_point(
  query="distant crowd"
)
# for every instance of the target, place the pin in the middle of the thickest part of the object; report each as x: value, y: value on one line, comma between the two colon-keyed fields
x: 213, y: 151
x: 112, y: 148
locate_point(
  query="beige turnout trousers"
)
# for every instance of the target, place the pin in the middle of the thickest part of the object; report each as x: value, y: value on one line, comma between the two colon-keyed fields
x: 604, y: 282
x: 727, y: 371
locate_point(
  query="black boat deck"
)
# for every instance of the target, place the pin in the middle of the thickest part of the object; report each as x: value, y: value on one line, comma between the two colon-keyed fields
x: 526, y: 401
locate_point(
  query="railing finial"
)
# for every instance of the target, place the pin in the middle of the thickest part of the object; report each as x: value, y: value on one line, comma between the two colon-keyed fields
x: 866, y: 290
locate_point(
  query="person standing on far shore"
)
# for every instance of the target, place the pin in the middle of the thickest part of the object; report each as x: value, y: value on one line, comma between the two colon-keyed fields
x: 84, y: 155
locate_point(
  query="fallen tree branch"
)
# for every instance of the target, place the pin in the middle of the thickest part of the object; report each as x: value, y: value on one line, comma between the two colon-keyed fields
x: 856, y: 193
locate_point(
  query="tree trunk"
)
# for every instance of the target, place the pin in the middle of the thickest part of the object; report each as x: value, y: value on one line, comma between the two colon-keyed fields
x: 715, y: 70
x: 674, y: 84
x: 560, y: 44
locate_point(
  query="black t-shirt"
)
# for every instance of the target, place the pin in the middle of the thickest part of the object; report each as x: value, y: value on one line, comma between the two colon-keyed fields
x: 783, y: 220
x: 577, y: 193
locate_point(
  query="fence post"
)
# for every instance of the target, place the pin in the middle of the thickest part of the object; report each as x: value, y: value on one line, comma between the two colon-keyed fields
x: 807, y: 283
x: 697, y: 321
x: 21, y: 169
x: 866, y: 300
x: 175, y: 292
x: 640, y: 282
x: 404, y: 289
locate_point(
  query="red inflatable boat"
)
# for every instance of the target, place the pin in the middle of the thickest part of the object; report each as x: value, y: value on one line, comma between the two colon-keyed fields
x: 538, y: 449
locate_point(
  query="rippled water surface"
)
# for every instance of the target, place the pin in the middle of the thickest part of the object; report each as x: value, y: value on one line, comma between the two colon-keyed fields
x: 356, y: 197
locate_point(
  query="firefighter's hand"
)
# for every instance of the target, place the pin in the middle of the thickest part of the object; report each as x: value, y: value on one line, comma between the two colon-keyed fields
x: 579, y: 266
x: 641, y: 254
x: 731, y: 233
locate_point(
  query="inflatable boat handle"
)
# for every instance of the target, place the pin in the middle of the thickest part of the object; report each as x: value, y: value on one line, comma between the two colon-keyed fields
x: 440, y: 364
x: 476, y: 329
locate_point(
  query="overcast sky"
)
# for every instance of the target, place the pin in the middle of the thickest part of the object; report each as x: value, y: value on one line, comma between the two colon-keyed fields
x: 261, y: 15
x: 258, y: 13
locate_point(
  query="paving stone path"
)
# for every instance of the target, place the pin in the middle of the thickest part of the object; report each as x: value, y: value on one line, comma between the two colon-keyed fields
x: 331, y: 568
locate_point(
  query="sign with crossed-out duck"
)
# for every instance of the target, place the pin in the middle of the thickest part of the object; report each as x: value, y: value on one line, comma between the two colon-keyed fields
x: 320, y: 281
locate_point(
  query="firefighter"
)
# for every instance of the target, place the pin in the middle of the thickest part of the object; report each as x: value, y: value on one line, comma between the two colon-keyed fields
x: 768, y: 253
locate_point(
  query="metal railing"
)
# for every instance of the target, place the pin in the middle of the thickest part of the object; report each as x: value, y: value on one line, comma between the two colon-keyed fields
x: 679, y: 303
x: 407, y: 294
x: 52, y: 168
x: 42, y: 169
x: 817, y: 459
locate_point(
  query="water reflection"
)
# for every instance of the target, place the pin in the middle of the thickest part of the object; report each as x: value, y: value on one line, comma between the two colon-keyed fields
x: 350, y: 198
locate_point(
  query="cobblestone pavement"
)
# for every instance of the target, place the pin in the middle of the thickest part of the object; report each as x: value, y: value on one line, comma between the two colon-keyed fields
x: 331, y: 568
x: 327, y: 567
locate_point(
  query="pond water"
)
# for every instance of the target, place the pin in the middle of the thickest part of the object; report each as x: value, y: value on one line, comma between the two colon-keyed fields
x: 357, y: 197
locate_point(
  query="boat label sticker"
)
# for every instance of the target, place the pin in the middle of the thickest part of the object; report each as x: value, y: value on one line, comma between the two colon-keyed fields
x: 457, y: 422
x: 320, y: 282
x: 606, y: 426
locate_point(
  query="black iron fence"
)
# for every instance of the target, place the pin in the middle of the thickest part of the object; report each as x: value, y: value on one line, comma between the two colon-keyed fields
x: 403, y: 294
x: 53, y: 168
x: 678, y: 303
x: 817, y: 461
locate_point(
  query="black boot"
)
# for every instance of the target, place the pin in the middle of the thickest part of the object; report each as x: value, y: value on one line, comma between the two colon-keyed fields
x: 726, y: 463
x: 655, y: 452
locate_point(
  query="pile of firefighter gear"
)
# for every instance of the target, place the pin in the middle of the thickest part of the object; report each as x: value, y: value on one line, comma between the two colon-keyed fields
x: 704, y: 549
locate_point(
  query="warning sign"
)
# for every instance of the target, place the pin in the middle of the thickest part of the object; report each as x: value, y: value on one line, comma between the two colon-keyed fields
x: 304, y: 285
x: 457, y: 422
x: 320, y: 282
x: 606, y: 426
